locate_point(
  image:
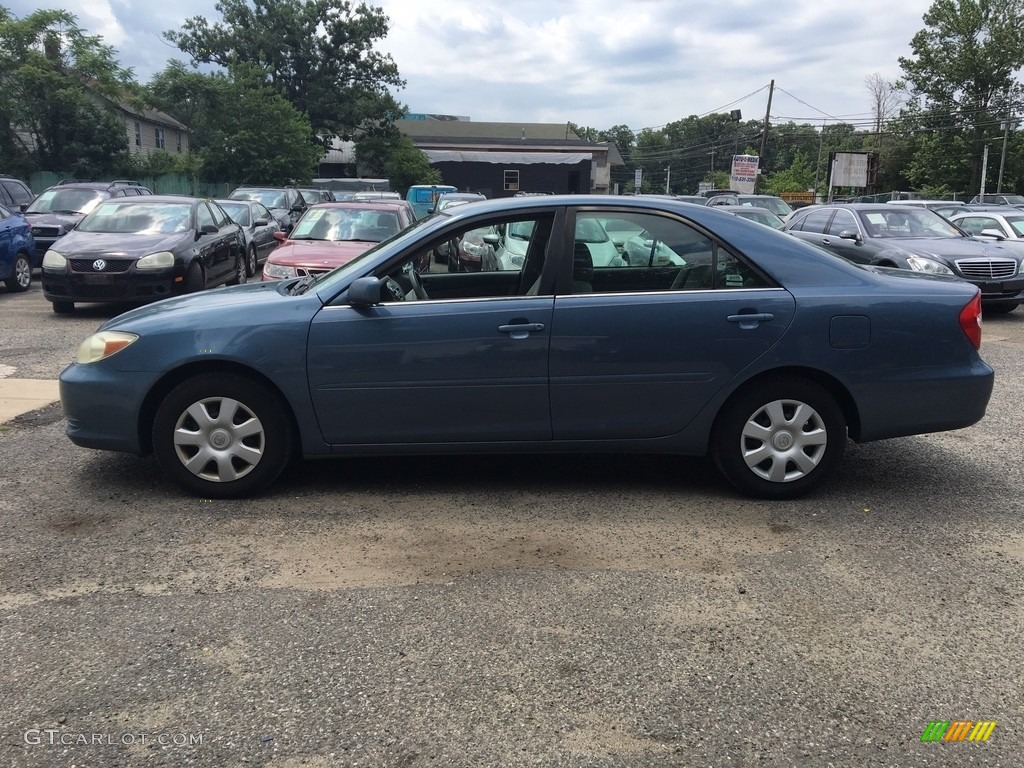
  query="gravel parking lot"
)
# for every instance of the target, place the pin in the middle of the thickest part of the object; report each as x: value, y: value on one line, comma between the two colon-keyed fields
x: 507, y: 611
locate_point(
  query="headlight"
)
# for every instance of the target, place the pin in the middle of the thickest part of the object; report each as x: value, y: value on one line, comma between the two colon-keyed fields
x: 921, y: 264
x: 279, y: 271
x: 102, y: 345
x: 53, y: 260
x: 161, y: 260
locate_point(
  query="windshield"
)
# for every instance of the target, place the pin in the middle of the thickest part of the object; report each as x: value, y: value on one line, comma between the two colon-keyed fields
x: 590, y: 231
x: 768, y: 219
x: 328, y: 280
x: 907, y: 221
x: 366, y: 225
x: 68, y: 201
x: 776, y: 205
x: 272, y: 198
x: 127, y: 217
x: 239, y: 212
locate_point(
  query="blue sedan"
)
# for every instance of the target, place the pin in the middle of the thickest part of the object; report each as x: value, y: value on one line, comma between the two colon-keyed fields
x: 748, y: 346
x: 16, y: 248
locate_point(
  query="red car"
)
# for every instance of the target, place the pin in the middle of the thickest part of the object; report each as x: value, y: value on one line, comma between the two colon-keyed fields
x: 331, y: 234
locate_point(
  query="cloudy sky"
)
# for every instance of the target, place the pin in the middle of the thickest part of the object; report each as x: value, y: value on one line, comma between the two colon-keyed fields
x: 597, y: 63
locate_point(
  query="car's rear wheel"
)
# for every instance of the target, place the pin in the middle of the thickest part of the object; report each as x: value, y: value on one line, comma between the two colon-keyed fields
x: 779, y: 438
x: 997, y: 309
x: 21, y: 274
x: 252, y: 262
x: 222, y: 435
x: 241, y: 270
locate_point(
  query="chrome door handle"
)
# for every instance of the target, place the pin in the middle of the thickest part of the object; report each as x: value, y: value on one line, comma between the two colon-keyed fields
x: 520, y: 330
x: 751, y: 319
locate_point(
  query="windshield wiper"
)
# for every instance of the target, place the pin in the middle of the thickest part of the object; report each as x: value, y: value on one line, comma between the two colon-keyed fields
x: 302, y: 286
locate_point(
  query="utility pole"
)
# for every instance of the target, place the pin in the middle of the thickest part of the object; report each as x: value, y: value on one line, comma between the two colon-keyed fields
x: 764, y: 138
x: 668, y: 179
x: 984, y: 170
x: 1002, y: 158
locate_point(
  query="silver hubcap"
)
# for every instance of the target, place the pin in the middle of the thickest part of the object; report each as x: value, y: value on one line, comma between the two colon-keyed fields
x: 253, y: 262
x: 219, y: 439
x: 783, y: 441
x: 23, y: 273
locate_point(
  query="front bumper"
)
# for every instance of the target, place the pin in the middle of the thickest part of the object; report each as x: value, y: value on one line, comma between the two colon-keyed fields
x: 1001, y: 292
x: 129, y: 286
x: 102, y: 406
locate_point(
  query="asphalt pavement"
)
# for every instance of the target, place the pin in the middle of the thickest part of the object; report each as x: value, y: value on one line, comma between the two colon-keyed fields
x: 508, y: 611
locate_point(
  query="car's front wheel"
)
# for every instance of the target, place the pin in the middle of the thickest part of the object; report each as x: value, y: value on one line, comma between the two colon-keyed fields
x: 222, y: 435
x: 779, y: 438
x: 21, y: 274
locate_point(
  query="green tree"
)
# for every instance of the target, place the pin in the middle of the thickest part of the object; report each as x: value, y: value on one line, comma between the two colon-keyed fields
x: 318, y: 54
x: 58, y: 85
x: 799, y: 177
x: 256, y: 137
x: 961, y: 77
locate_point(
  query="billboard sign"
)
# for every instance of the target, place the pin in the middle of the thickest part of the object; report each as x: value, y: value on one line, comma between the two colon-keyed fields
x: 850, y: 169
x: 744, y: 173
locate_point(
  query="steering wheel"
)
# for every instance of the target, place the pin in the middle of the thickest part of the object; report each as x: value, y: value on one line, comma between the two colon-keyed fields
x: 394, y: 289
x: 417, y: 284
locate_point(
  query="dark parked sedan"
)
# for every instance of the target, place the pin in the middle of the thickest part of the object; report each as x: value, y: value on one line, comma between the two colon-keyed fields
x: 760, y: 351
x: 258, y: 227
x: 134, y: 250
x: 915, y: 238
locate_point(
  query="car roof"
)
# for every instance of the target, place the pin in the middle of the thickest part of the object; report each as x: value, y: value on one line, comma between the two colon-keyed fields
x: 365, y: 205
x: 150, y: 199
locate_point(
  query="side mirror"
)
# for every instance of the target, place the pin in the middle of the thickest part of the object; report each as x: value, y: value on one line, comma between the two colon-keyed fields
x: 298, y: 207
x: 364, y: 292
x: 260, y: 223
x: 492, y: 239
x: 993, y: 233
x: 280, y: 236
x: 208, y: 229
x: 23, y: 207
x: 849, y: 234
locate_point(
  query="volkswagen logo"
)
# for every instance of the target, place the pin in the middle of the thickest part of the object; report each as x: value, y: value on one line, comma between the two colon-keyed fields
x: 99, y: 265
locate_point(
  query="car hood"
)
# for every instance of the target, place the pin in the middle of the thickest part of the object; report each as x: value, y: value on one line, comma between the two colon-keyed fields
x: 318, y: 253
x: 119, y: 244
x: 950, y: 248
x: 245, y: 297
x: 66, y: 220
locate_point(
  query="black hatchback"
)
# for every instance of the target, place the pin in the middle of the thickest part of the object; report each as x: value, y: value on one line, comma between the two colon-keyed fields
x: 136, y: 250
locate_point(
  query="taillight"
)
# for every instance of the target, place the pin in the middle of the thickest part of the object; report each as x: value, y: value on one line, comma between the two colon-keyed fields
x: 970, y: 320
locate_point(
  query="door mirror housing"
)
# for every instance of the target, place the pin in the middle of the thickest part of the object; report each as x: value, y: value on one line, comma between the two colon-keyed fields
x: 364, y: 292
x: 849, y: 234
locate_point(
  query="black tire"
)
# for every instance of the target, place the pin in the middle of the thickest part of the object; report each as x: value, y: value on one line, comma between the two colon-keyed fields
x: 997, y: 309
x: 240, y: 274
x: 252, y: 262
x: 63, y: 307
x: 21, y: 274
x: 195, y: 280
x: 760, y: 421
x: 245, y: 448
